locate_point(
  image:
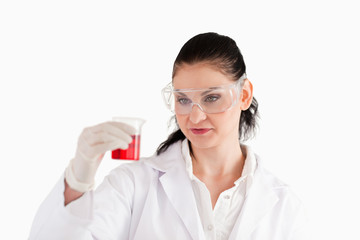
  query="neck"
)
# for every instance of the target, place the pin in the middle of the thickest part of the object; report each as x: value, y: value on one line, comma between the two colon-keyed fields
x: 226, y: 159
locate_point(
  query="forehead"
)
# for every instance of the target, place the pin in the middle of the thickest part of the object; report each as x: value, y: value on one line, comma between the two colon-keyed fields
x: 199, y: 75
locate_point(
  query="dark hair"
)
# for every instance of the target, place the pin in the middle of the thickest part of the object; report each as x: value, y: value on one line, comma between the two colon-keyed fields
x: 221, y: 51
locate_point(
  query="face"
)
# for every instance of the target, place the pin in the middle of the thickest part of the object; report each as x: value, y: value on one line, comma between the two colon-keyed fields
x: 209, y: 130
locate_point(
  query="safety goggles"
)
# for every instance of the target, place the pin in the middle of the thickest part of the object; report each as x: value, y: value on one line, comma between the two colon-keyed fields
x: 210, y: 100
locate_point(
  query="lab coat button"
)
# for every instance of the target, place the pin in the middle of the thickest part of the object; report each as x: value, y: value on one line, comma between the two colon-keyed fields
x: 210, y: 227
x: 227, y: 196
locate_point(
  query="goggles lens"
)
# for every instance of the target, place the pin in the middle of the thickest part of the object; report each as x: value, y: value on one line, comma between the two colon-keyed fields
x: 209, y: 100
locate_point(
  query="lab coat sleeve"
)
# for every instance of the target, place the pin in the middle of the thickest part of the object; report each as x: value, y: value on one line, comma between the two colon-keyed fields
x: 101, y: 214
x: 55, y: 221
x: 113, y: 205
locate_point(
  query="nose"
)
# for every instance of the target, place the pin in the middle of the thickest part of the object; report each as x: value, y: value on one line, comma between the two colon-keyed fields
x: 196, y: 114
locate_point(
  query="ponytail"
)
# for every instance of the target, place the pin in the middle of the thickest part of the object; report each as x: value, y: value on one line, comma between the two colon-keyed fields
x: 177, y: 135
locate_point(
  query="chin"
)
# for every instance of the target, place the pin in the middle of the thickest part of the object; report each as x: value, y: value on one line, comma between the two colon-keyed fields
x: 202, y: 142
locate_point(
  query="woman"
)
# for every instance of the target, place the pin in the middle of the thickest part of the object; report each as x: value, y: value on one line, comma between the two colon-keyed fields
x: 201, y: 184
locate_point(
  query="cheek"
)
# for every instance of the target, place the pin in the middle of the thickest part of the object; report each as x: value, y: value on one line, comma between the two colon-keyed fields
x: 181, y: 120
x: 230, y: 122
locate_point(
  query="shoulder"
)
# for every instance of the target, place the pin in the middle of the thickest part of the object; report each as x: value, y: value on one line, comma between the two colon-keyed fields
x: 147, y: 167
x: 268, y: 176
x: 287, y: 209
x: 131, y: 171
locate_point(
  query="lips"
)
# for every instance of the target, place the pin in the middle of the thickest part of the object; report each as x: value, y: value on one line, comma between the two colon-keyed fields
x: 199, y: 131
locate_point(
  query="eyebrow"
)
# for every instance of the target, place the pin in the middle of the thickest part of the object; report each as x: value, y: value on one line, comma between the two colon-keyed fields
x: 178, y: 91
x: 210, y: 90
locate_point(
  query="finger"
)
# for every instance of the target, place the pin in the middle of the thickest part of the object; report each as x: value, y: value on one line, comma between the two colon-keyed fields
x: 119, y: 129
x: 113, y: 126
x: 124, y: 126
x: 105, y: 137
x: 105, y: 132
x: 102, y: 148
x: 116, y: 128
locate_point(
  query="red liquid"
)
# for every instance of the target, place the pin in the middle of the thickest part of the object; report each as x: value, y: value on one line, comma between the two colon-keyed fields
x: 132, y: 153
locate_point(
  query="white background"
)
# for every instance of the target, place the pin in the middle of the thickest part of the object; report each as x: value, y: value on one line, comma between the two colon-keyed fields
x: 66, y: 65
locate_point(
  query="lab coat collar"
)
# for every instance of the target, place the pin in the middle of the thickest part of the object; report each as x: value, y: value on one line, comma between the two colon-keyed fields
x: 260, y: 199
x: 177, y: 187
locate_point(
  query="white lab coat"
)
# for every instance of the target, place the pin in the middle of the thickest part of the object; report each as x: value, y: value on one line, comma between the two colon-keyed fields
x: 153, y: 199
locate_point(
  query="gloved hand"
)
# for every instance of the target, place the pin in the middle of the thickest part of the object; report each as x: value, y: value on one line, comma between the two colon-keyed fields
x: 93, y: 142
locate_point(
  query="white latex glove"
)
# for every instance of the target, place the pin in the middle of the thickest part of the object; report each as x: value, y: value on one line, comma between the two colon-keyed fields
x: 93, y: 142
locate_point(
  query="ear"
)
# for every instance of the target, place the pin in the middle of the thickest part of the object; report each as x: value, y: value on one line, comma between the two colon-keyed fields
x: 246, y: 95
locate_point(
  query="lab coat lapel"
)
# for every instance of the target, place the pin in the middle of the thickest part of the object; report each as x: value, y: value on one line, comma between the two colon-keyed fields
x: 178, y: 189
x: 259, y: 200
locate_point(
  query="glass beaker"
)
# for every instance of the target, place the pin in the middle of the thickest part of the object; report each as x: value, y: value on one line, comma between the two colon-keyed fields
x: 133, y: 151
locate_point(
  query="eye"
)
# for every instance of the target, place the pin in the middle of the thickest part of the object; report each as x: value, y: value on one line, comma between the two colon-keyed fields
x: 212, y: 98
x: 183, y: 101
